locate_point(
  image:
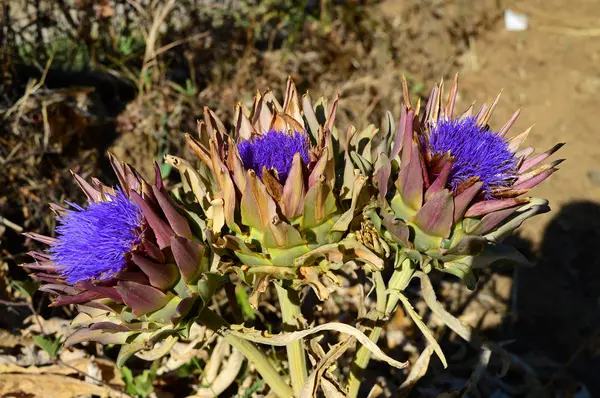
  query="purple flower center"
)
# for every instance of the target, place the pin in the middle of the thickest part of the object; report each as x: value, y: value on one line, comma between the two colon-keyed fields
x: 477, y: 151
x: 275, y: 149
x: 92, y: 242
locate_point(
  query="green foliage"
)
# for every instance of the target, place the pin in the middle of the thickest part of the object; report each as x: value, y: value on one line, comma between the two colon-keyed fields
x: 253, y: 388
x: 417, y: 88
x: 140, y: 385
x: 190, y: 368
x: 242, y: 298
x: 68, y: 53
x: 131, y: 44
x: 190, y: 89
x: 265, y: 19
x: 49, y: 344
x: 26, y: 288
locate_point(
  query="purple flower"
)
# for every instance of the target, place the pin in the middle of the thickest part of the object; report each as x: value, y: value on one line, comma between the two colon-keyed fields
x: 477, y: 152
x: 92, y: 243
x: 274, y: 149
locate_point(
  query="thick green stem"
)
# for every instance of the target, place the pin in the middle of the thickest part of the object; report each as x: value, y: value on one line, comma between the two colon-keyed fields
x: 269, y: 374
x: 292, y: 316
x: 399, y: 280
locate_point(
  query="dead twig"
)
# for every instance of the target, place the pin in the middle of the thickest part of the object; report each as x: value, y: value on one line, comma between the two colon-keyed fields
x: 14, y: 303
x: 15, y: 227
x: 150, y: 53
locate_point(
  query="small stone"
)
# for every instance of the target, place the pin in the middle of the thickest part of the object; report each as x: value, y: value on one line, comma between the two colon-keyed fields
x: 594, y: 176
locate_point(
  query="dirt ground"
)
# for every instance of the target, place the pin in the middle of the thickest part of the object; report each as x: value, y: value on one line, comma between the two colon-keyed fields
x: 552, y: 70
x: 553, y: 73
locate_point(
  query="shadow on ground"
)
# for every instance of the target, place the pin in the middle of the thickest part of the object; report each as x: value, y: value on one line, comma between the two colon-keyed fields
x: 557, y: 301
x: 546, y: 316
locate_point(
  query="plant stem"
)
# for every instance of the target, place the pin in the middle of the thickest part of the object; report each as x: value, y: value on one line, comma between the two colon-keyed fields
x: 269, y: 374
x: 399, y: 280
x: 292, y: 316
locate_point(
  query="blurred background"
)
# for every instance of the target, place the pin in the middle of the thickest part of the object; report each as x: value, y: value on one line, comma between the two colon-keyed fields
x: 83, y: 77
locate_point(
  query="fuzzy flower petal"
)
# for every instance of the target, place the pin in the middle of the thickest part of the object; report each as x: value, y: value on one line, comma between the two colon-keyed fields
x: 477, y: 152
x: 93, y: 242
x: 275, y: 149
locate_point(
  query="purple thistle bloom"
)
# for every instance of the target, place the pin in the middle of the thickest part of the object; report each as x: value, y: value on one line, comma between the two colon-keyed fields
x: 92, y: 242
x: 275, y: 149
x: 477, y: 152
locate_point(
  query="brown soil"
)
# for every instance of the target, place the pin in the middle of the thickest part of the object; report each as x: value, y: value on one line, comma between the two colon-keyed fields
x: 555, y: 77
x: 552, y: 71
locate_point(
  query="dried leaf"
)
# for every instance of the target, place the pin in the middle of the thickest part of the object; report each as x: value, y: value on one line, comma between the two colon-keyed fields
x: 312, y: 383
x: 226, y: 376
x: 283, y: 339
x: 418, y: 370
x: 421, y: 325
x: 50, y: 386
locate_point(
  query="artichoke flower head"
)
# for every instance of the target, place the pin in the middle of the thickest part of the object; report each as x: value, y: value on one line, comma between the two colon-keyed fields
x: 285, y: 206
x: 132, y: 263
x: 458, y: 187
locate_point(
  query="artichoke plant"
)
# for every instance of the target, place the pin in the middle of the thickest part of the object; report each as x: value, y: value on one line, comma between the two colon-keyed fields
x: 449, y: 189
x: 135, y: 266
x: 278, y: 201
x: 140, y: 269
x: 287, y: 198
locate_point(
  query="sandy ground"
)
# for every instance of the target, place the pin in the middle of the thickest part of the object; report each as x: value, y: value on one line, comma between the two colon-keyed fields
x: 553, y: 72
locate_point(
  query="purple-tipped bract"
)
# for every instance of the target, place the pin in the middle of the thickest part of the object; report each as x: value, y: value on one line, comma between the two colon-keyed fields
x: 93, y: 242
x: 275, y: 149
